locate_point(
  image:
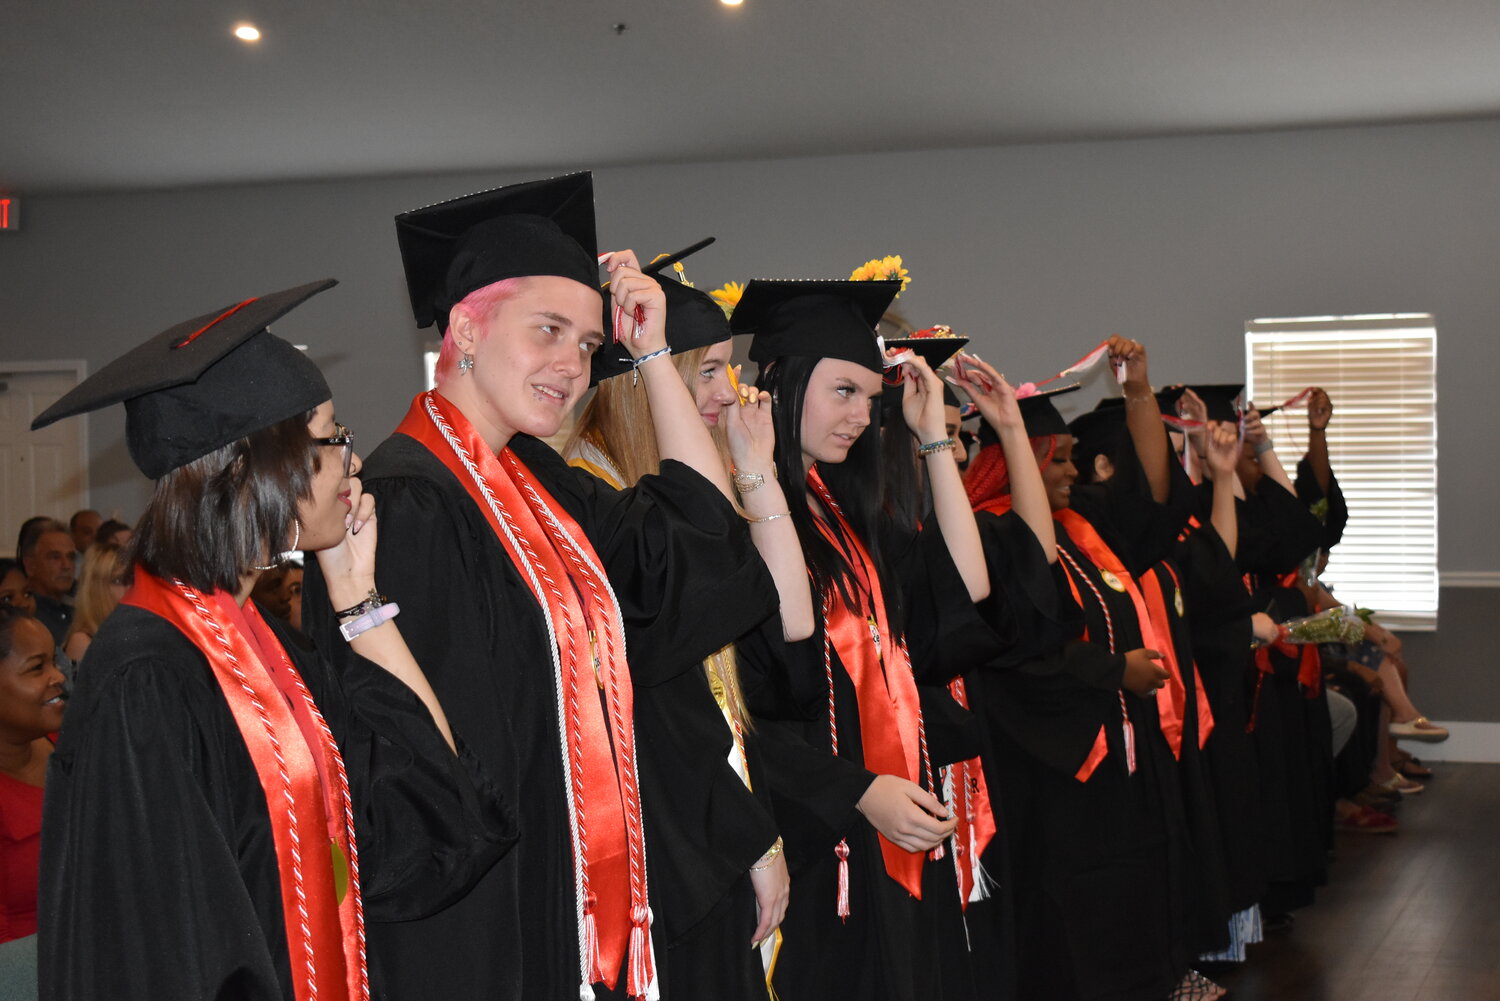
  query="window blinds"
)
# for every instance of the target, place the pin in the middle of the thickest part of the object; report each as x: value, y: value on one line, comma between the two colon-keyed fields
x: 1380, y: 372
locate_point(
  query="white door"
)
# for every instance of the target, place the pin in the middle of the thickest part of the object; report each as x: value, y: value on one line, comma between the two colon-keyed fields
x: 41, y: 472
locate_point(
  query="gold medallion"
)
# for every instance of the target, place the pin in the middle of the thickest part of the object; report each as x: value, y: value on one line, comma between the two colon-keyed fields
x: 1177, y: 603
x: 1113, y: 581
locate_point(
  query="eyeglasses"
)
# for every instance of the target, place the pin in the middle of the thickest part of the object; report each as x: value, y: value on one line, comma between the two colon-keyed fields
x: 345, y: 439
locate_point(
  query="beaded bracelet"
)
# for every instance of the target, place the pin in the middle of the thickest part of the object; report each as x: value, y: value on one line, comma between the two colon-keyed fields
x: 372, y: 601
x: 934, y: 447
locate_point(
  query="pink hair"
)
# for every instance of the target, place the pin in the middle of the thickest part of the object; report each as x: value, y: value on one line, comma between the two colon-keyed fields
x: 479, y: 306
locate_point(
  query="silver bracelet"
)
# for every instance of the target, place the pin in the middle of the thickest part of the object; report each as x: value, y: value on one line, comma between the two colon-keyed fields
x: 769, y: 517
x: 1262, y: 447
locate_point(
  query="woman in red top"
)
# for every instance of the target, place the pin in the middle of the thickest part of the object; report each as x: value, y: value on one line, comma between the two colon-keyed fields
x: 31, y: 707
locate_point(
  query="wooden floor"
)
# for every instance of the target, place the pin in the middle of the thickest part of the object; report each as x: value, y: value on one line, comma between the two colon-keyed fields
x: 1413, y: 916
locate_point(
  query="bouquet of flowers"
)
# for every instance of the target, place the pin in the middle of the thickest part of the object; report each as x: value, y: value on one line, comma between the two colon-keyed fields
x: 1335, y: 625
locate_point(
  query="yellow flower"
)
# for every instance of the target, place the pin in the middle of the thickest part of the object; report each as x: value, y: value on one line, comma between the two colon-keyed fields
x: 728, y: 296
x: 883, y: 269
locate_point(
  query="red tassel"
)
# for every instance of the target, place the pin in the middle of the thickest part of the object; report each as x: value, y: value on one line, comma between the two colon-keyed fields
x: 842, y: 851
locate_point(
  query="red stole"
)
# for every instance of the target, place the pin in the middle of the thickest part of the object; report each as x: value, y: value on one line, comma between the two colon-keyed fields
x: 976, y: 818
x: 1105, y: 559
x: 890, y: 713
x: 301, y: 773
x: 1174, y: 710
x: 583, y: 618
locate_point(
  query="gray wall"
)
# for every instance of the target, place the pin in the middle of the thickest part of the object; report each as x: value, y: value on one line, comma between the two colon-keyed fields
x: 1038, y: 252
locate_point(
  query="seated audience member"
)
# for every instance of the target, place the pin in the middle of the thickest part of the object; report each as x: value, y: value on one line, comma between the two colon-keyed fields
x: 83, y: 526
x: 15, y: 590
x: 101, y: 585
x: 31, y: 708
x: 46, y: 553
x: 114, y: 531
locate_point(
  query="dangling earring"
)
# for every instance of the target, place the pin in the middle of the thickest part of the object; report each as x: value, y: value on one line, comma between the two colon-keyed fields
x: 466, y: 364
x: 283, y: 557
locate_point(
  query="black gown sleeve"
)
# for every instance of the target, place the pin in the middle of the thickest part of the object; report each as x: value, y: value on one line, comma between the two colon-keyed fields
x: 428, y: 822
x: 1276, y: 530
x: 1335, y: 510
x: 680, y: 559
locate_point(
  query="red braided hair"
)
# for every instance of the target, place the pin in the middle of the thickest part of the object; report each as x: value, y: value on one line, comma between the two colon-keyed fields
x: 988, y: 476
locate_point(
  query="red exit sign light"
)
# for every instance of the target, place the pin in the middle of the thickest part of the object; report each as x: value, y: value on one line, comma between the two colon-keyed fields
x: 10, y: 214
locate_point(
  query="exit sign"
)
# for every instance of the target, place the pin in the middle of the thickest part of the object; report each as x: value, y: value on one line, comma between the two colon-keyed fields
x: 10, y: 214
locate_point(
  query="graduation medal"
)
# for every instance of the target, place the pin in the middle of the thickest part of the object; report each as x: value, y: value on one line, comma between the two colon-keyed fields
x: 1114, y: 582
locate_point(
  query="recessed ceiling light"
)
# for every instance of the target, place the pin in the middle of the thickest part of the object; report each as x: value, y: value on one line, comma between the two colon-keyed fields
x: 731, y: 3
x: 247, y: 32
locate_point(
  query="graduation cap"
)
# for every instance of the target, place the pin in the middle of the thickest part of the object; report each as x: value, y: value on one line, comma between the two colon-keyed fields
x: 1221, y: 399
x: 1040, y: 414
x: 814, y: 319
x: 534, y: 228
x: 694, y: 320
x: 935, y: 350
x: 204, y: 383
x: 1098, y: 431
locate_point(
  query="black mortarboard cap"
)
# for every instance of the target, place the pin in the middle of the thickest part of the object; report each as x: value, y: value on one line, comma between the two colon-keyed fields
x: 534, y: 228
x: 1040, y: 414
x: 204, y: 383
x: 694, y: 320
x: 1219, y: 398
x: 1101, y: 429
x: 814, y: 319
x: 934, y: 350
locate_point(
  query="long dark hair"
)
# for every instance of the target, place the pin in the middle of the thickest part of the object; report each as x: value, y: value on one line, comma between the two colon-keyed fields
x: 856, y: 485
x: 214, y: 519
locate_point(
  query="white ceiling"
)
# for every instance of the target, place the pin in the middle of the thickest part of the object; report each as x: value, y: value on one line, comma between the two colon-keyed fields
x: 108, y: 95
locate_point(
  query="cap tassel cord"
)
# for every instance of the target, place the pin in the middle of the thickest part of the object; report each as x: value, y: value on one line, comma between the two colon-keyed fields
x: 841, y: 907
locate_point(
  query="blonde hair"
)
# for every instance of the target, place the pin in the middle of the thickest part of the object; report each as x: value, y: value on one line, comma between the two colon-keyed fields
x: 102, y: 566
x: 617, y: 421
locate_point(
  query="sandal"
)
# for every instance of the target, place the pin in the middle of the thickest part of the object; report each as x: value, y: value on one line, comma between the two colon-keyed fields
x: 1413, y: 768
x: 1194, y: 986
x: 1421, y: 728
x: 1400, y: 783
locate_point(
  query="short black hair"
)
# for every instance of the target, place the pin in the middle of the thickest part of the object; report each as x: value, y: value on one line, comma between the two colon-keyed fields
x: 216, y: 518
x: 8, y: 618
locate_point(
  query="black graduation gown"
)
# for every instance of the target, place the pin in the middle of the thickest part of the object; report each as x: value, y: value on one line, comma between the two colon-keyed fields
x: 1219, y: 610
x: 688, y: 580
x: 1151, y: 534
x: 159, y: 871
x: 1292, y: 733
x: 1335, y: 516
x: 892, y: 947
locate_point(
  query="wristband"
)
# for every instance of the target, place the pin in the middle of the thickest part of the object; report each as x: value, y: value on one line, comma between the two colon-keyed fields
x: 635, y: 364
x: 1262, y: 447
x: 369, y: 620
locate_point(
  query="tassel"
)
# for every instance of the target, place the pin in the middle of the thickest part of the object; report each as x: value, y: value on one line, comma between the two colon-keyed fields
x: 590, y: 944
x: 1128, y: 729
x: 585, y: 992
x: 641, y: 975
x: 936, y: 853
x: 842, y: 851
